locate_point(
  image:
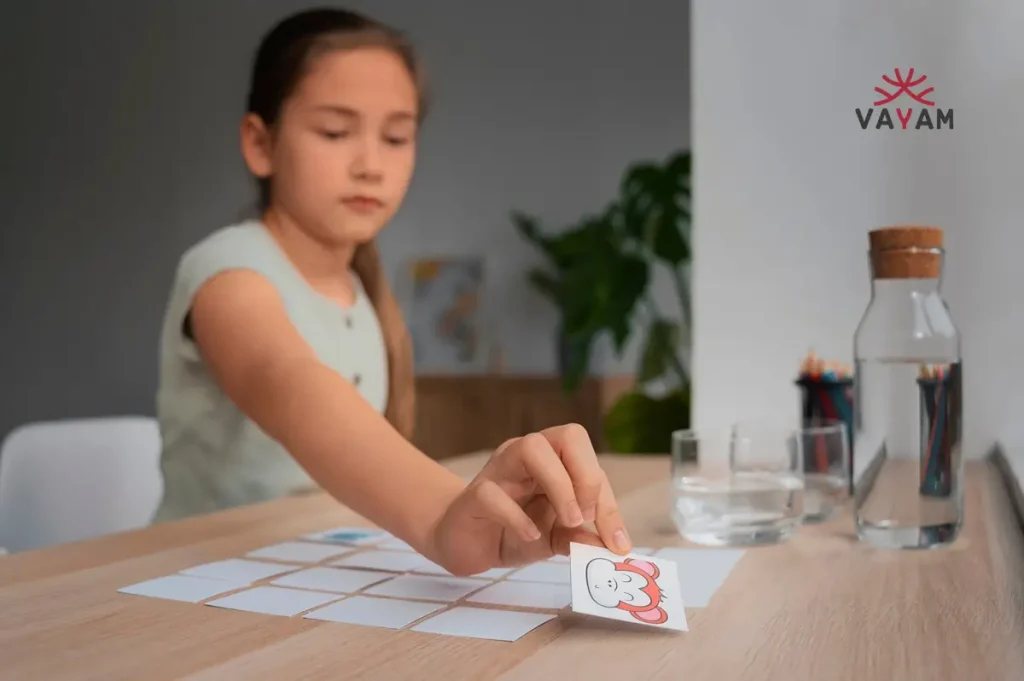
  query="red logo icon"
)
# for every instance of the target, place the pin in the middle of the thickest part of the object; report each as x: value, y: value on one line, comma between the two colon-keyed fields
x: 915, y: 112
x: 904, y: 85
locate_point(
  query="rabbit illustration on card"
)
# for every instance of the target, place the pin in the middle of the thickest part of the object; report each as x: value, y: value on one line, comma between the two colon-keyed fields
x: 630, y: 585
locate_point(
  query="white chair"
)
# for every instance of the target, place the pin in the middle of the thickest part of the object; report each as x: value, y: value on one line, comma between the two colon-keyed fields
x: 64, y: 481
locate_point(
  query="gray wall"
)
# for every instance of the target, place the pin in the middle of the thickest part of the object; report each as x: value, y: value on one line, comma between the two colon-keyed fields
x: 120, y: 150
x: 783, y: 128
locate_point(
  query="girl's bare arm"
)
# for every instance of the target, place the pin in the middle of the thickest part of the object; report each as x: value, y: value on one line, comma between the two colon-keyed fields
x: 261, y: 362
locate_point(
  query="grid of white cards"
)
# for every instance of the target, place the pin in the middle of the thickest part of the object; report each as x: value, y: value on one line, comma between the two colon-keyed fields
x: 371, y: 578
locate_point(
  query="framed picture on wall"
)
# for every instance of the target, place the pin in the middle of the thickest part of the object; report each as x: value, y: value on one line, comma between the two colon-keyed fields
x: 446, y: 316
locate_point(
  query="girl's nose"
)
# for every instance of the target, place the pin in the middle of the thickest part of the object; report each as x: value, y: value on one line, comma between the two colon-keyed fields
x: 367, y: 163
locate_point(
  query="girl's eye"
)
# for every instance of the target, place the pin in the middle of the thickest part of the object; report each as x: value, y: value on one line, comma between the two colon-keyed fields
x: 334, y: 134
x: 397, y: 141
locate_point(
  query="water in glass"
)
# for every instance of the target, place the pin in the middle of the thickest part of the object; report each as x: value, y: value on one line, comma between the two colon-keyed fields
x: 744, y: 491
x: 826, y: 457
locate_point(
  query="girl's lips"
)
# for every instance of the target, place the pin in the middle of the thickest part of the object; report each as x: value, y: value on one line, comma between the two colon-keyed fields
x: 362, y: 204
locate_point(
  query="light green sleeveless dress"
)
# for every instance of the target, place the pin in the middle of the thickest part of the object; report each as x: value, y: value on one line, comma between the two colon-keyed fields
x: 214, y: 457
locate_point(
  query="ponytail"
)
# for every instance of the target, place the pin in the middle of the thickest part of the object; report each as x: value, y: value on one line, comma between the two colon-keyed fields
x: 401, y: 408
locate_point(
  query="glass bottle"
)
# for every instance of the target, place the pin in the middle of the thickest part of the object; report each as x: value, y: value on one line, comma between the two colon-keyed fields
x: 907, y: 475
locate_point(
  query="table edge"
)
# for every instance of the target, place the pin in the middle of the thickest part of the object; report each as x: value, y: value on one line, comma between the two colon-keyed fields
x: 1008, y: 460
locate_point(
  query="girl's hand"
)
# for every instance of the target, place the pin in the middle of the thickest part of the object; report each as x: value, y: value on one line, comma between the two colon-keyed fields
x: 530, y: 500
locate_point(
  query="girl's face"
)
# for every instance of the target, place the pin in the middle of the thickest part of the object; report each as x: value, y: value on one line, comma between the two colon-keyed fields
x: 342, y: 152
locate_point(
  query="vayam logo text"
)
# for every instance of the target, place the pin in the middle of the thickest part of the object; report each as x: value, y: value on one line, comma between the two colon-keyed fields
x: 905, y: 104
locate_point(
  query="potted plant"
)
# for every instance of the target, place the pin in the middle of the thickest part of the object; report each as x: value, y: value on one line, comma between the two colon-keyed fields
x: 598, y: 275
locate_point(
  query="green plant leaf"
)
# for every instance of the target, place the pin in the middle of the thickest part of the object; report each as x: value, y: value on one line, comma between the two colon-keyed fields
x: 639, y: 424
x: 602, y: 263
x: 662, y: 341
x: 655, y: 207
x: 579, y: 362
x: 680, y: 164
x: 581, y: 245
x: 620, y: 334
x: 638, y: 193
x: 602, y: 293
x: 630, y: 277
x: 669, y: 243
x: 546, y: 284
x: 528, y: 228
x: 622, y: 422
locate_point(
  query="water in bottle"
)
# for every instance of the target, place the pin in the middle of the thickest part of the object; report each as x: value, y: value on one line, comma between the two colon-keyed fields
x: 908, y: 469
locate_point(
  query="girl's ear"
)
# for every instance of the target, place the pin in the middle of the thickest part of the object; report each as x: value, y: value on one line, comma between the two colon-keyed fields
x: 256, y: 146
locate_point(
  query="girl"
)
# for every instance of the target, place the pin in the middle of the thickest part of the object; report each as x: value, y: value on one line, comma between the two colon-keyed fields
x: 282, y: 344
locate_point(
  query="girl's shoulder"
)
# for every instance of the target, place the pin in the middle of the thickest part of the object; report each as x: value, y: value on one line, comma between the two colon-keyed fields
x: 242, y: 246
x: 233, y: 240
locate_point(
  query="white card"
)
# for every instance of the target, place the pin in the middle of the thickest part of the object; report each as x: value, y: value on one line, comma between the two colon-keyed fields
x: 272, y: 600
x: 634, y: 588
x: 338, y: 580
x: 386, y: 613
x: 525, y: 595
x: 185, y: 588
x: 395, y: 545
x: 493, y: 573
x: 299, y: 552
x: 351, y: 536
x: 558, y: 559
x: 701, y: 571
x: 496, y: 625
x: 393, y: 561
x: 427, y: 588
x: 544, y: 571
x: 238, y: 570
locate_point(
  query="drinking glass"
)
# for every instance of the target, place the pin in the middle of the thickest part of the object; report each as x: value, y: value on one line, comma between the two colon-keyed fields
x: 825, y: 450
x: 739, y: 486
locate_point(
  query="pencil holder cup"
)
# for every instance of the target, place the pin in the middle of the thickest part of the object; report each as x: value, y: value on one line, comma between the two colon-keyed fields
x: 824, y: 401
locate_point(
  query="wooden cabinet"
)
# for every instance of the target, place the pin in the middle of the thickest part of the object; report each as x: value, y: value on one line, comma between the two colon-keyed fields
x: 459, y: 414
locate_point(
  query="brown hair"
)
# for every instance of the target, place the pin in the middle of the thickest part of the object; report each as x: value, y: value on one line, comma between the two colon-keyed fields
x: 281, y: 61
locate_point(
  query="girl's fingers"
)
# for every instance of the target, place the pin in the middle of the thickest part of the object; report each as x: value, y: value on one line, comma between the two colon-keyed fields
x: 564, y: 465
x: 572, y: 444
x: 610, y: 525
x: 504, y: 445
x: 499, y: 507
x: 561, y: 537
x: 536, y: 456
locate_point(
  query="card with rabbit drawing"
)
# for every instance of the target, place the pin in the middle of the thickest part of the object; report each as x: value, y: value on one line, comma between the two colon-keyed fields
x: 634, y: 588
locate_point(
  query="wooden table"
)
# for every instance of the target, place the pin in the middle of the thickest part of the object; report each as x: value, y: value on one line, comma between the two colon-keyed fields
x: 821, y: 607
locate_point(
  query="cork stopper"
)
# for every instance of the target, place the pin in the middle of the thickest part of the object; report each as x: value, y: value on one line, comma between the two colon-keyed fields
x: 906, y: 252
